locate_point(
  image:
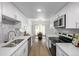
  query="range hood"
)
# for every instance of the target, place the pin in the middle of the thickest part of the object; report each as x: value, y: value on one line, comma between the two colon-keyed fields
x: 9, y: 20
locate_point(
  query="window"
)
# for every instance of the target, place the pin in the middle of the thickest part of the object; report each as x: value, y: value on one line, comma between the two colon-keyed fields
x: 39, y: 28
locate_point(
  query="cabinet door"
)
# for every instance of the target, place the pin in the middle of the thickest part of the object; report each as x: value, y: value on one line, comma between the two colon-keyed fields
x: 26, y: 49
x: 29, y: 45
x: 22, y: 51
x: 60, y: 52
x: 8, y: 9
x: 17, y: 53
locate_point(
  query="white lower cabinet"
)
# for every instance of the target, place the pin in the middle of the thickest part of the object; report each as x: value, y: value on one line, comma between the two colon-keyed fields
x: 60, y: 52
x: 22, y: 51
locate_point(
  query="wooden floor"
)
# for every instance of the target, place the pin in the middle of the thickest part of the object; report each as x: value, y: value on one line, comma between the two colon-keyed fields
x: 39, y: 49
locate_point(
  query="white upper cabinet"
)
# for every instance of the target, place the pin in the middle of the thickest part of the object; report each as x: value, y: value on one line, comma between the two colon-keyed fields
x: 10, y: 10
x: 72, y: 14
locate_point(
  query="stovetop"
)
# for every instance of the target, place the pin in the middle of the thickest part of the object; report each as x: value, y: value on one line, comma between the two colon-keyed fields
x: 56, y: 41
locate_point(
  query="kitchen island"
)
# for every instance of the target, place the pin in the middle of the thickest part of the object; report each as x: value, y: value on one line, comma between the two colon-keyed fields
x: 66, y: 49
x: 19, y: 50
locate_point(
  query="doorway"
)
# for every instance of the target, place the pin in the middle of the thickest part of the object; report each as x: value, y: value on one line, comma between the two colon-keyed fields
x: 39, y: 28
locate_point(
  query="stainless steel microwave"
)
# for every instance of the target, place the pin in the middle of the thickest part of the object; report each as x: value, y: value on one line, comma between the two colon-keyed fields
x: 61, y: 21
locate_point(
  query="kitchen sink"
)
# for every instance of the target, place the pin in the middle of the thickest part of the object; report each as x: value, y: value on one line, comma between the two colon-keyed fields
x: 14, y: 43
x: 17, y: 41
x: 10, y: 45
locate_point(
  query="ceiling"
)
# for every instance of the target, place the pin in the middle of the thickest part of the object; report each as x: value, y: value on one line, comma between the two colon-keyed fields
x: 48, y: 8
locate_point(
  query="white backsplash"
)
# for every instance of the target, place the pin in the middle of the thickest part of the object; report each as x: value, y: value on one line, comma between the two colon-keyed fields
x: 68, y: 31
x: 4, y: 29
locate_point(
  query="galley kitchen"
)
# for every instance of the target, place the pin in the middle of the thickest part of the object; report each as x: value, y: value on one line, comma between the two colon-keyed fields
x: 39, y: 28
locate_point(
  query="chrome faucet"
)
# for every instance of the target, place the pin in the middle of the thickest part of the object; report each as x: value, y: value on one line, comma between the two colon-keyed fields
x: 10, y: 33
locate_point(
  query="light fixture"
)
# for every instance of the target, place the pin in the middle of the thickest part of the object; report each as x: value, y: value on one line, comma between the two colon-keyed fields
x: 39, y: 10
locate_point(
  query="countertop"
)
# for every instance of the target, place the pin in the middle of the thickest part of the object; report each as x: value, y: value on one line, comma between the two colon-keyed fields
x: 69, y: 49
x: 52, y: 35
x: 8, y: 51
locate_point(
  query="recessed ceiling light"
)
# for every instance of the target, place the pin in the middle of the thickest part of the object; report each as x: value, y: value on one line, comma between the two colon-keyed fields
x: 39, y: 10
